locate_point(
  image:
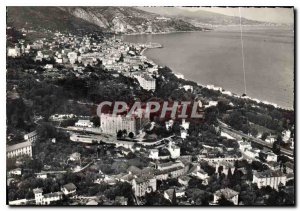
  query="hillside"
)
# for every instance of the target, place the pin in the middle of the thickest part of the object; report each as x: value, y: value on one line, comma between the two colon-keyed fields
x: 199, y: 17
x: 108, y: 19
x: 49, y: 18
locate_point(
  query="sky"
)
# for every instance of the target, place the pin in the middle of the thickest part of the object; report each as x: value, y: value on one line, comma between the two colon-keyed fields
x: 275, y: 15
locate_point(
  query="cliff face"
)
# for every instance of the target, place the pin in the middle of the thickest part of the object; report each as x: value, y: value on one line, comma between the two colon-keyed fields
x: 109, y: 19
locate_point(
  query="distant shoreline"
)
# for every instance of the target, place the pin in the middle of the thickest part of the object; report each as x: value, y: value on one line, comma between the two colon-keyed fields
x: 233, y: 94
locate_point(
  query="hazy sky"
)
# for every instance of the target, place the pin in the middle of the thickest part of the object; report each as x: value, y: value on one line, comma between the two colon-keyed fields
x: 276, y: 15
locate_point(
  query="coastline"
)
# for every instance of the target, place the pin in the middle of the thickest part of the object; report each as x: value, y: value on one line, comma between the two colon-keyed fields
x: 222, y: 90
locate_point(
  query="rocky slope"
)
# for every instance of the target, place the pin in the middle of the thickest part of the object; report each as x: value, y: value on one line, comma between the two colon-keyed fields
x: 109, y: 19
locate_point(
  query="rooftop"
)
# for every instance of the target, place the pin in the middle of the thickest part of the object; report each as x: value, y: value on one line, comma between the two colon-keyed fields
x: 18, y: 146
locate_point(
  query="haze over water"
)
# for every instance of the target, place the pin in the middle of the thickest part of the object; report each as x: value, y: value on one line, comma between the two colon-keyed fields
x: 215, y: 58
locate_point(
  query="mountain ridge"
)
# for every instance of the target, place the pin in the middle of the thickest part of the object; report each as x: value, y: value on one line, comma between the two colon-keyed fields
x: 106, y: 19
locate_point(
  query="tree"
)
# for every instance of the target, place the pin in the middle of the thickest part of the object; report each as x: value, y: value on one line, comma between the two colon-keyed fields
x: 264, y: 136
x: 224, y: 202
x: 174, y: 202
x: 131, y: 135
x: 119, y: 134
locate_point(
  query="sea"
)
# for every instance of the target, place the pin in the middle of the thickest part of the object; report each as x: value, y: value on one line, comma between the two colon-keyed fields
x: 215, y: 58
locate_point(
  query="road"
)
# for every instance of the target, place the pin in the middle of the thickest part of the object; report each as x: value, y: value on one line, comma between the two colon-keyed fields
x: 236, y: 133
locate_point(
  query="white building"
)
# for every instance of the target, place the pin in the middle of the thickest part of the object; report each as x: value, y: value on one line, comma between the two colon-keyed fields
x: 243, y: 145
x: 271, y: 139
x: 146, y: 82
x: 154, y: 154
x: 286, y: 135
x: 31, y: 137
x: 228, y: 193
x: 174, y: 150
x: 72, y: 57
x: 185, y: 125
x: 16, y: 150
x: 111, y: 124
x: 46, y: 199
x: 269, y: 178
x: 84, y: 123
x: 183, y: 134
x: 271, y: 157
x: 13, y: 52
x: 17, y: 171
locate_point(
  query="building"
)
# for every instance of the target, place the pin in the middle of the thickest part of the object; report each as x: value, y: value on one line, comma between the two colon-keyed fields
x: 16, y: 150
x: 286, y: 135
x: 72, y: 57
x: 141, y: 185
x: 270, y: 156
x: 17, y: 171
x: 184, y: 180
x: 183, y: 134
x: 271, y: 139
x: 243, y: 145
x: 185, y: 125
x: 31, y: 137
x: 174, y: 150
x: 269, y: 178
x: 168, y: 194
x: 154, y: 154
x: 84, y: 123
x: 228, y: 193
x: 146, y: 82
x: 111, y: 124
x: 46, y: 199
x: 69, y: 189
x: 75, y: 156
x: 13, y: 52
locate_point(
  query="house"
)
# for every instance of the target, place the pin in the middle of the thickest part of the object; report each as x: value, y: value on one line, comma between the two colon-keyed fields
x: 75, y: 156
x: 185, y: 125
x: 142, y: 184
x: 42, y: 175
x: 153, y: 154
x: 228, y: 193
x: 271, y: 139
x: 184, y: 180
x: 201, y: 174
x: 243, y: 145
x: 174, y: 150
x: 270, y: 156
x: 269, y: 178
x: 286, y: 135
x: 31, y: 136
x: 69, y: 189
x: 84, y: 123
x: 183, y: 134
x: 13, y: 52
x: 17, y: 171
